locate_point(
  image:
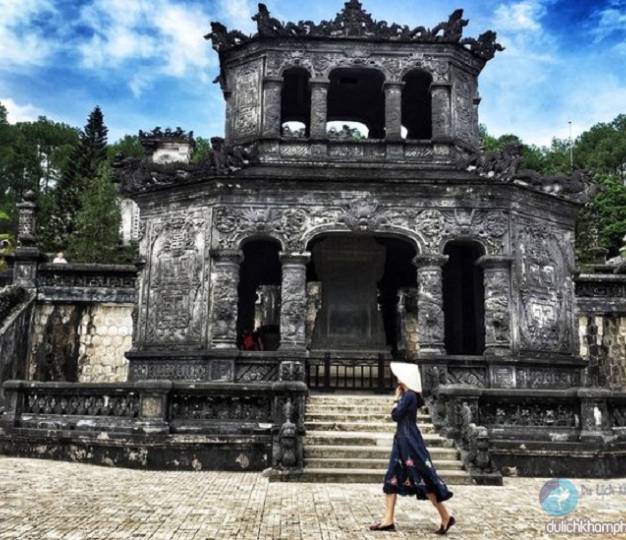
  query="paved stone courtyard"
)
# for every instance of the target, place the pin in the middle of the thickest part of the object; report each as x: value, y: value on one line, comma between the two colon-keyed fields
x: 47, y: 499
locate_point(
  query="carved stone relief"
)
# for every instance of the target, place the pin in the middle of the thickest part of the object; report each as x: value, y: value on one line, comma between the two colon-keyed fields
x: 497, y: 306
x: 320, y: 64
x: 464, y: 89
x: 224, y: 297
x: 271, y: 107
x: 430, y: 303
x: 293, y: 301
x: 174, y: 313
x: 545, y: 264
x: 292, y: 225
x: 529, y: 414
x: 246, y: 100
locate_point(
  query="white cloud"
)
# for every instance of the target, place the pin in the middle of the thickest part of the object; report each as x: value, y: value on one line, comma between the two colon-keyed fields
x: 237, y: 15
x: 20, y: 113
x: 148, y: 40
x: 610, y: 19
x: 23, y: 43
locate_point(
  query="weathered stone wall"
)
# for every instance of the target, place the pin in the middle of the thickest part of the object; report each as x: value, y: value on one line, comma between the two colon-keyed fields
x: 80, y: 342
x: 603, y: 345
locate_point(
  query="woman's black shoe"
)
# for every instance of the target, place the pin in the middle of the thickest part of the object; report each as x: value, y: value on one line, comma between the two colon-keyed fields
x: 444, y: 530
x: 379, y: 527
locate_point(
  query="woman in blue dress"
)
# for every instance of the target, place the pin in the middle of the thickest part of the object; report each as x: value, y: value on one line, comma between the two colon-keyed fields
x: 411, y: 471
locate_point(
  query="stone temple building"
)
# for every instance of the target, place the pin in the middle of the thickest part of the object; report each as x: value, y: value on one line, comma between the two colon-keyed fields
x: 348, y: 218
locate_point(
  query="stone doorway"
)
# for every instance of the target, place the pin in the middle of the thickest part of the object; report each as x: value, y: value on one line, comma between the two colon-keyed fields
x: 360, y: 282
x: 259, y: 277
x: 464, y: 299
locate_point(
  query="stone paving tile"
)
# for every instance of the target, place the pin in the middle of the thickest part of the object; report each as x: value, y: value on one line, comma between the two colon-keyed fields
x: 68, y: 501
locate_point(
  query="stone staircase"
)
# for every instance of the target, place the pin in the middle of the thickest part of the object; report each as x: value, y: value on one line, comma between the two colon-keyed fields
x: 349, y: 437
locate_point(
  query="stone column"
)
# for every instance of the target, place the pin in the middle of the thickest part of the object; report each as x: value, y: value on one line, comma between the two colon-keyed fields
x: 393, y: 111
x: 228, y: 127
x: 293, y: 301
x: 319, y: 107
x: 594, y: 414
x: 26, y: 254
x: 497, y: 283
x: 441, y: 111
x: 430, y: 320
x: 272, y: 89
x: 224, y: 297
x: 153, y: 396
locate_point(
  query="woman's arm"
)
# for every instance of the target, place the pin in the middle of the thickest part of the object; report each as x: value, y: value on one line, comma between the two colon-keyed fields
x: 407, y: 401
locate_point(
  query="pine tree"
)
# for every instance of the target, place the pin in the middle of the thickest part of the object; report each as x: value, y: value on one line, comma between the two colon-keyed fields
x: 84, y: 165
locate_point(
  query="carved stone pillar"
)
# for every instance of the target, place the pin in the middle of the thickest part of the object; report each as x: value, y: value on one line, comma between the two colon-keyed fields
x: 228, y: 130
x: 430, y: 319
x: 26, y: 254
x: 441, y: 111
x: 224, y: 297
x: 497, y: 283
x: 293, y: 301
x: 393, y: 111
x: 272, y: 88
x: 319, y: 107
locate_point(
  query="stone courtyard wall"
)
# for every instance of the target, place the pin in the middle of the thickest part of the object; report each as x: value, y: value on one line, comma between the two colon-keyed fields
x: 603, y: 345
x: 82, y: 324
x: 601, y: 299
x: 84, y: 343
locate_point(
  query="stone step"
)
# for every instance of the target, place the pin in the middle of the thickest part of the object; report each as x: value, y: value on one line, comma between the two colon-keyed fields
x: 374, y: 464
x: 367, y: 476
x: 365, y: 414
x: 370, y: 427
x: 361, y: 438
x: 339, y: 452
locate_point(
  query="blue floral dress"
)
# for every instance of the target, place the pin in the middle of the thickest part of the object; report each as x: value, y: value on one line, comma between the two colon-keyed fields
x: 411, y: 471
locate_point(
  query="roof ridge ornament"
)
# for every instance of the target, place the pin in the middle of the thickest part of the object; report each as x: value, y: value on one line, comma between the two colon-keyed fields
x: 353, y: 21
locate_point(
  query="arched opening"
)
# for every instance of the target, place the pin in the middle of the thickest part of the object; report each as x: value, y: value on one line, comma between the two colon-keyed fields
x: 295, y: 102
x: 259, y: 282
x: 357, y: 95
x: 417, y: 105
x: 464, y: 299
x: 397, y: 294
x: 357, y: 285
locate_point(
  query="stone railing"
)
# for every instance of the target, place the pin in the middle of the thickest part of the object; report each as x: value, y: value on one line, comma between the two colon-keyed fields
x: 86, y: 282
x: 261, y: 424
x: 209, y: 366
x: 372, y: 150
x: 15, y: 314
x: 554, y: 424
x: 601, y: 293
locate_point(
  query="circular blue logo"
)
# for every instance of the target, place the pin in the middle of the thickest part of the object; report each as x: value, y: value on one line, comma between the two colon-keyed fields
x: 558, y: 497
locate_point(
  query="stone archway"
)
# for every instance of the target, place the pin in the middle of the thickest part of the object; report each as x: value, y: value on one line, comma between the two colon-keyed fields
x: 361, y: 281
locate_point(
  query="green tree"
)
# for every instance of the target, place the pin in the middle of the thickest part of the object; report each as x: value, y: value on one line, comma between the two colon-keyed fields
x: 128, y: 145
x: 33, y: 156
x: 97, y: 223
x: 603, y: 148
x: 602, y: 223
x: 84, y: 164
x: 202, y: 149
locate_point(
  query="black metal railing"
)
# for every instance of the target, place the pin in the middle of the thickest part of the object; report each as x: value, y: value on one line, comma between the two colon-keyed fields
x: 329, y: 373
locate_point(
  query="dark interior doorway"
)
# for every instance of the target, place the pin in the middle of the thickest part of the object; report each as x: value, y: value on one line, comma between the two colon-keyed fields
x: 260, y: 266
x: 464, y: 299
x: 399, y: 272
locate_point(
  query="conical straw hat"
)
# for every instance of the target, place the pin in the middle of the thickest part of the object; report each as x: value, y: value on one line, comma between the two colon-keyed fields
x: 407, y: 374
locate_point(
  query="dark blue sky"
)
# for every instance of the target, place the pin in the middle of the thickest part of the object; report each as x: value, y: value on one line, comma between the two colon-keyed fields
x: 147, y: 64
